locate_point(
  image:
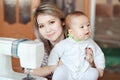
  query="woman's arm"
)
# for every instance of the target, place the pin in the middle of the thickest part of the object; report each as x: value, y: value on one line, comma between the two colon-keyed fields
x: 90, y: 59
x: 43, y: 71
x: 101, y: 72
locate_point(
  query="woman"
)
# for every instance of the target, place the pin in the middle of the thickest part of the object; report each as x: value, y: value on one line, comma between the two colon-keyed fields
x: 50, y: 29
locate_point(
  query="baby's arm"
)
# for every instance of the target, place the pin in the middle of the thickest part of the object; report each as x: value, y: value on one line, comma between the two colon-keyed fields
x: 43, y: 71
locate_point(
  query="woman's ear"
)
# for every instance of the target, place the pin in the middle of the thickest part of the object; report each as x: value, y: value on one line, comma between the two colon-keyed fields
x: 63, y: 24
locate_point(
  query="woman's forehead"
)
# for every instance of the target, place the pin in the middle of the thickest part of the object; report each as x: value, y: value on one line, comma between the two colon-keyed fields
x: 45, y: 15
x: 45, y: 18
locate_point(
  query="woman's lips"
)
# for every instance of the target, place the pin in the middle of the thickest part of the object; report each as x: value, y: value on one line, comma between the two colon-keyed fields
x: 50, y: 35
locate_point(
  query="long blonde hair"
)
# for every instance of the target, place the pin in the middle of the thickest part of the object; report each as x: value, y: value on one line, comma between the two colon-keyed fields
x: 48, y: 8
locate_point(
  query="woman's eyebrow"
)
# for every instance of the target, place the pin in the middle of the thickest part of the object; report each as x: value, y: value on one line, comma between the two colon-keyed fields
x: 40, y: 24
x: 51, y: 20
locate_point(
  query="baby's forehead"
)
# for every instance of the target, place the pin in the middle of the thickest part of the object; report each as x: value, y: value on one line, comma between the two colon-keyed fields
x: 80, y: 21
x: 79, y: 18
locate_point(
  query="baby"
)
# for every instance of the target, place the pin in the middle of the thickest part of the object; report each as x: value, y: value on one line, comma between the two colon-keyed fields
x: 71, y: 51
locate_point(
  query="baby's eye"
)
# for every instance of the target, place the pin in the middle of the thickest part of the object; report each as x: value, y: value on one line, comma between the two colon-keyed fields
x: 88, y: 25
x: 41, y: 26
x: 81, y: 26
x: 52, y: 22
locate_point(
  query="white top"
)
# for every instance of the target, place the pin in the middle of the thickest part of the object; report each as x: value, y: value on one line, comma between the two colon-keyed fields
x: 72, y: 54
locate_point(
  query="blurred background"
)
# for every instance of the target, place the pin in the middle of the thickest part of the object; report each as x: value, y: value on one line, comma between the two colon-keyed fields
x: 16, y: 21
x: 107, y: 35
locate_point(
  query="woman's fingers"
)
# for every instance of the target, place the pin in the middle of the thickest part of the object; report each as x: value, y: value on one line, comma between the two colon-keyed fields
x: 60, y: 63
x: 89, y: 55
x: 89, y: 51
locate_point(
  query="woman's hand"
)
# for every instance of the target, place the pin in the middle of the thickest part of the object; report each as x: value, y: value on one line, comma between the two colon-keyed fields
x: 90, y: 56
x: 60, y: 63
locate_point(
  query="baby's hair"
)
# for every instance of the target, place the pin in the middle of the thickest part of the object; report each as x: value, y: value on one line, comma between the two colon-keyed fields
x: 71, y: 15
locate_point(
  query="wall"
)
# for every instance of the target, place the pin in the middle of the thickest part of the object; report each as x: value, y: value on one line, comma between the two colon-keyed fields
x: 79, y: 5
x: 105, y: 1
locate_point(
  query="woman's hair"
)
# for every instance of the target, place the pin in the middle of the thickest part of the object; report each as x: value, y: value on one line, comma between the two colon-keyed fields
x: 71, y: 15
x: 48, y: 8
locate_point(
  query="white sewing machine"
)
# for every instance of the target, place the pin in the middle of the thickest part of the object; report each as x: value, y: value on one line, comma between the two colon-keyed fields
x: 30, y: 54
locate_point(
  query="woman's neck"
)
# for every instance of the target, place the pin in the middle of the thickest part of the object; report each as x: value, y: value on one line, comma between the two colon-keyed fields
x: 61, y: 37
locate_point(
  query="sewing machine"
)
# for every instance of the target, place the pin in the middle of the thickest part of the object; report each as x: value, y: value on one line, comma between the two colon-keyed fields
x: 29, y: 52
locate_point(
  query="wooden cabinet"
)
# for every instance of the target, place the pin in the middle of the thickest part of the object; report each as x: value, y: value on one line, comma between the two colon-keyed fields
x: 16, y: 19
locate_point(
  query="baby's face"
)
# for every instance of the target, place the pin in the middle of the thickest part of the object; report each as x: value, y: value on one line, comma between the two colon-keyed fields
x: 80, y: 28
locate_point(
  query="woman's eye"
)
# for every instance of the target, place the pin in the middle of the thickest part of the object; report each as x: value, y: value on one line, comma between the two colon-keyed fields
x: 41, y: 26
x: 52, y: 22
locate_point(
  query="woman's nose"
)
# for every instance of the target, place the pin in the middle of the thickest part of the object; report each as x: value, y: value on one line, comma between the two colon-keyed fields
x: 48, y: 29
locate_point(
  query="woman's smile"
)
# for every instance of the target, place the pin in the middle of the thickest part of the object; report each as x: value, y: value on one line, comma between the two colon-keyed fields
x: 50, y: 35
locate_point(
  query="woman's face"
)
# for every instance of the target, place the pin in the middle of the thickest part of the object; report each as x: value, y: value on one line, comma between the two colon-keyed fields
x: 50, y: 27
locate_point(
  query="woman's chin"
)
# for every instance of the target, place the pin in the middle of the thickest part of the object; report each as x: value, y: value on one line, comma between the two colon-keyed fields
x: 52, y: 39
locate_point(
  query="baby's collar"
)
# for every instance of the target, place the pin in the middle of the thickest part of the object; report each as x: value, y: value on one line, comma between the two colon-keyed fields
x: 70, y: 36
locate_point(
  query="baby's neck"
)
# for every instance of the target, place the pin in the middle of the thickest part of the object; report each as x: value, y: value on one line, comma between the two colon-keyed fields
x: 77, y: 40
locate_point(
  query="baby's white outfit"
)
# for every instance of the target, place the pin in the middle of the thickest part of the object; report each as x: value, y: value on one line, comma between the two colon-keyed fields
x: 72, y: 54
